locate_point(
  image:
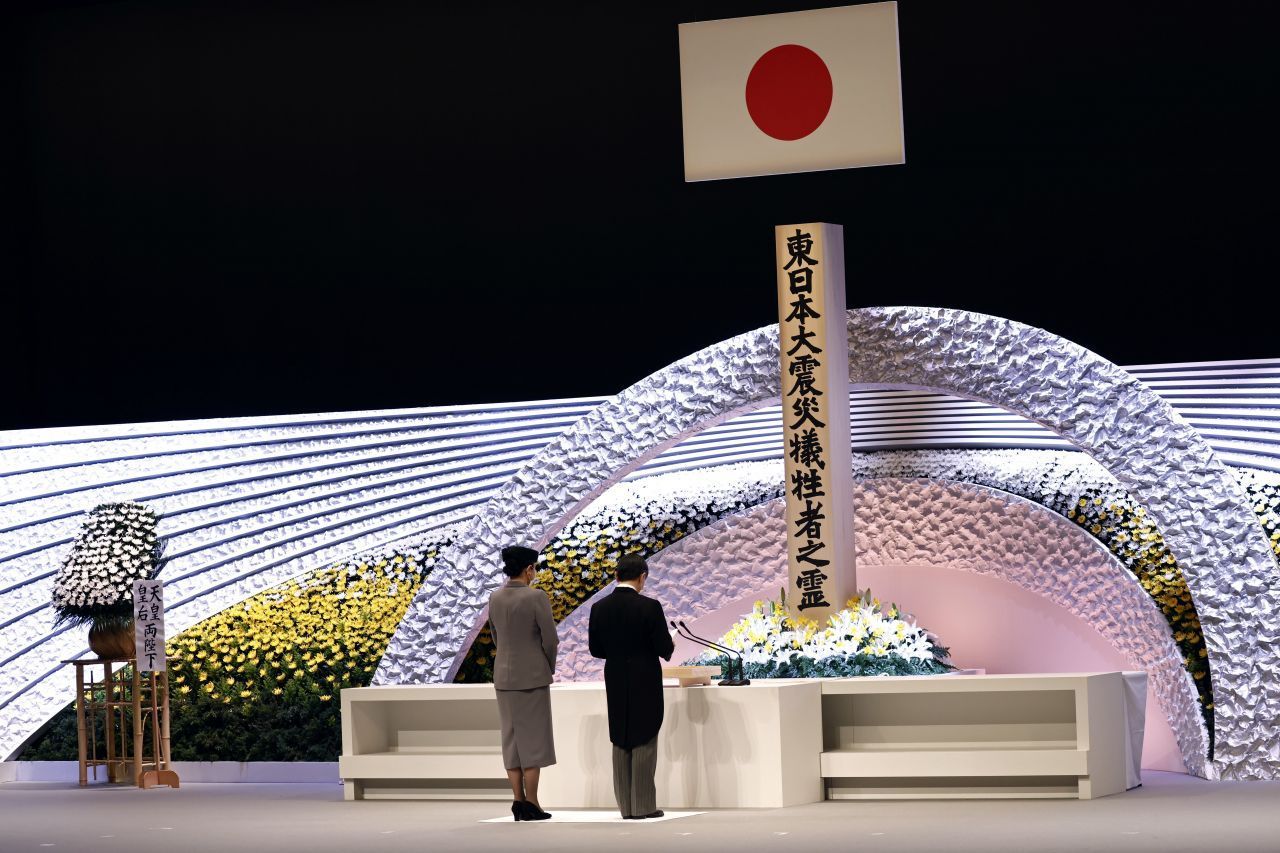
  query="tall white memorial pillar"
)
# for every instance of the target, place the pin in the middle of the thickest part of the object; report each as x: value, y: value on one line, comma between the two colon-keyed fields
x: 815, y: 419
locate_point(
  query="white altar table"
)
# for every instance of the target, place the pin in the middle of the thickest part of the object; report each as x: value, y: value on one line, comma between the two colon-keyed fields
x: 774, y: 743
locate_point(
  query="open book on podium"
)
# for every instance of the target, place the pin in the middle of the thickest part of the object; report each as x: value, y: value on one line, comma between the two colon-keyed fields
x: 691, y: 676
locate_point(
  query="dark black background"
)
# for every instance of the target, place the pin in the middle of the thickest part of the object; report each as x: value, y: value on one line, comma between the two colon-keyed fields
x: 266, y: 207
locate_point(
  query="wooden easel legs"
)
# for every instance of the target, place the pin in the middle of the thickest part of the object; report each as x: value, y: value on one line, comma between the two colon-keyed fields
x: 154, y: 778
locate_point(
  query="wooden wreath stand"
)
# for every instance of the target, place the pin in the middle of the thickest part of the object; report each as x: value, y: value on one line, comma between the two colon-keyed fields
x: 125, y: 706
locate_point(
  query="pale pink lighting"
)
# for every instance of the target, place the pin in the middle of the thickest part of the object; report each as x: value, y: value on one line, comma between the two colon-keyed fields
x: 989, y: 624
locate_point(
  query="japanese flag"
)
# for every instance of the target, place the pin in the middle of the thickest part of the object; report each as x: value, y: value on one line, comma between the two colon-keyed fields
x: 798, y: 92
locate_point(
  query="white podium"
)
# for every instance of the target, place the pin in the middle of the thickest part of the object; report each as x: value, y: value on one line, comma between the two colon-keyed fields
x: 774, y: 743
x: 720, y: 747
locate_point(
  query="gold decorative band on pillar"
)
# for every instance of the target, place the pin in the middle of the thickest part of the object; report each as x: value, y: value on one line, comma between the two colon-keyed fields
x: 815, y: 418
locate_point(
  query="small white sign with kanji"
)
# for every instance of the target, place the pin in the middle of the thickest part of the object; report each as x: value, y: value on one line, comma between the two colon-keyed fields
x: 148, y: 625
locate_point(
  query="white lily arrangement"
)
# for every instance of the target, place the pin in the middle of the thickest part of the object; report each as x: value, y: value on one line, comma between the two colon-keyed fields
x: 861, y: 638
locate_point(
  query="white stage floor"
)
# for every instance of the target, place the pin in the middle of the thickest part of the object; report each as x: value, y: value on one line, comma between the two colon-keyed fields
x: 593, y: 816
x: 1169, y: 813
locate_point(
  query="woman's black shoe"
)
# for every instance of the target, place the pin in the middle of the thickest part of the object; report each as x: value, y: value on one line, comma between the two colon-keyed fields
x: 517, y: 809
x: 532, y: 812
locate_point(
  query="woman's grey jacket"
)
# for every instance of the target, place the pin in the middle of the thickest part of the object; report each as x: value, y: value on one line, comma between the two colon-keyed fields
x: 524, y: 632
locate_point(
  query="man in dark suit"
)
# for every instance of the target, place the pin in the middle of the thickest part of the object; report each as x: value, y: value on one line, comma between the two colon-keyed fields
x: 629, y: 631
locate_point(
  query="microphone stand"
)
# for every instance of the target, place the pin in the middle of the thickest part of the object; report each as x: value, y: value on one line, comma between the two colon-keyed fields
x: 741, y: 680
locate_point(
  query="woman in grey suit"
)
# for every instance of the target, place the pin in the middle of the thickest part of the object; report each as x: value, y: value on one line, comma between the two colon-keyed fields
x: 525, y: 635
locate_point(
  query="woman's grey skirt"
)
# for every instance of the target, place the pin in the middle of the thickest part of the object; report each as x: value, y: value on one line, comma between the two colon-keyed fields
x: 525, y: 719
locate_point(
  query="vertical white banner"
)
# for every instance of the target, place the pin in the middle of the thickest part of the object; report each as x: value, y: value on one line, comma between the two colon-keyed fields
x: 815, y: 418
x: 148, y: 625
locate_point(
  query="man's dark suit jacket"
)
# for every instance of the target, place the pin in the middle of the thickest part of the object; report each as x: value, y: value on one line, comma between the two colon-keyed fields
x: 629, y: 631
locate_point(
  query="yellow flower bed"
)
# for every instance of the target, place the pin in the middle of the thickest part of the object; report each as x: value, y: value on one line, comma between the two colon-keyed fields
x: 261, y: 680
x: 326, y: 631
x: 1131, y: 535
x: 572, y: 578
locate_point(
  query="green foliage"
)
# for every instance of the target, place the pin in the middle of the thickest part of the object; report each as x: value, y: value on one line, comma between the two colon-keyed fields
x: 799, y: 666
x: 295, y: 726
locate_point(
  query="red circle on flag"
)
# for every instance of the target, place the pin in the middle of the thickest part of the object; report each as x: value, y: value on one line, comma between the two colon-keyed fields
x: 789, y: 92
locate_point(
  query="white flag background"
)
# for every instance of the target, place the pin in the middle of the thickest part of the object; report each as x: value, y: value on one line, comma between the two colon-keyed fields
x: 797, y: 92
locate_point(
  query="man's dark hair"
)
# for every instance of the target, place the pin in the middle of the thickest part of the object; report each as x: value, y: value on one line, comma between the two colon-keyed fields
x: 517, y: 558
x: 631, y: 566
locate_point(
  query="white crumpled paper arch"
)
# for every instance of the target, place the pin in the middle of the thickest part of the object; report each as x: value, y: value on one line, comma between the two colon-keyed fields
x: 1100, y: 408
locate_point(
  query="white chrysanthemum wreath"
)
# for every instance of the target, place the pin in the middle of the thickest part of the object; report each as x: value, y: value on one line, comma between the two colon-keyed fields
x: 116, y: 546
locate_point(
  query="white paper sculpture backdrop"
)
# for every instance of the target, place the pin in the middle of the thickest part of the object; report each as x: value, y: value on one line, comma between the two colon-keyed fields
x: 248, y: 502
x: 1101, y: 409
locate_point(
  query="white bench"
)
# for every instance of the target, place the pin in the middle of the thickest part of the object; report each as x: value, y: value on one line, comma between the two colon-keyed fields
x: 428, y: 742
x: 773, y: 743
x: 1029, y: 736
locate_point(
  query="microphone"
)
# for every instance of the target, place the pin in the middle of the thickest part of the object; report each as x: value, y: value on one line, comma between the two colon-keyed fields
x: 741, y: 680
x: 724, y: 682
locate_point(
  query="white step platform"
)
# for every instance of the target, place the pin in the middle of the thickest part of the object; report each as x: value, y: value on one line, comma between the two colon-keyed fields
x: 772, y: 744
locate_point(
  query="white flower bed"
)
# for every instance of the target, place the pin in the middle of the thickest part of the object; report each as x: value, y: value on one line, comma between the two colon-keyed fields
x: 638, y: 512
